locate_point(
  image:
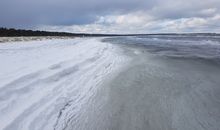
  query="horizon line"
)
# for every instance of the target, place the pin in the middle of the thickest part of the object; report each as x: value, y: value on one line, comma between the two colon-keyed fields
x: 112, y: 34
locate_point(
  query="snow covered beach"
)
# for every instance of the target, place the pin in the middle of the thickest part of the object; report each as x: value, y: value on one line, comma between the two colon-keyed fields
x: 40, y: 79
x: 120, y: 83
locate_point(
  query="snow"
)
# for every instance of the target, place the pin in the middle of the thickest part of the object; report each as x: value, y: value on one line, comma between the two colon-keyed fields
x: 39, y: 79
x: 83, y: 83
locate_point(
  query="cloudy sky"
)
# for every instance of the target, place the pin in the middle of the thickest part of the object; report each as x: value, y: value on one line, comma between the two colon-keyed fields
x: 112, y: 16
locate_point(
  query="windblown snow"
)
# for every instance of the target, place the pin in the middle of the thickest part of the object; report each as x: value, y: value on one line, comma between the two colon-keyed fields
x: 39, y: 80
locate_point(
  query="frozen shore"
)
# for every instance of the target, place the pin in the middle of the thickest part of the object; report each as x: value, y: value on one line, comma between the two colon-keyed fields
x: 118, y: 83
x: 43, y: 84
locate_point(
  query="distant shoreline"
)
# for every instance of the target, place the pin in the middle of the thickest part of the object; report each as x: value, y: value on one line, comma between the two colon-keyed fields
x: 11, y: 32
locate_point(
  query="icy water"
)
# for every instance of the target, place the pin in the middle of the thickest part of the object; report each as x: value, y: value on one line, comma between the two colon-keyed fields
x: 158, y: 82
x: 172, y: 83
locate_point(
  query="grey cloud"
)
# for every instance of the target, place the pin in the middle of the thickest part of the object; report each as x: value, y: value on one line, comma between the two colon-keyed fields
x: 62, y: 12
x: 175, y: 9
x: 31, y: 13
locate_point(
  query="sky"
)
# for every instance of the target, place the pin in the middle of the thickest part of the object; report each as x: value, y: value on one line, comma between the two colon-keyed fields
x: 112, y: 16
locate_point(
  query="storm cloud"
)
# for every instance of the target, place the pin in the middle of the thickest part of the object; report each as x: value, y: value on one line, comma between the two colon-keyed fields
x: 112, y: 16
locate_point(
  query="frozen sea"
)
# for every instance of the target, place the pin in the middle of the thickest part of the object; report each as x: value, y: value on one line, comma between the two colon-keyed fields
x: 153, y: 82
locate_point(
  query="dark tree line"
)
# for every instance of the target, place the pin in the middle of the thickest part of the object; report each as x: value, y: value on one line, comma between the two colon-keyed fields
x: 5, y: 32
